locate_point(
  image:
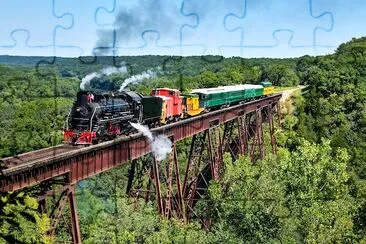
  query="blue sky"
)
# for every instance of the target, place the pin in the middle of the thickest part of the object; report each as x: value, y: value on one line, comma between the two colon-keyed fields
x: 251, y: 28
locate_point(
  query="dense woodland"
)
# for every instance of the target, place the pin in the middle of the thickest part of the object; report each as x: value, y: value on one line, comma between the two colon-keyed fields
x: 313, y: 191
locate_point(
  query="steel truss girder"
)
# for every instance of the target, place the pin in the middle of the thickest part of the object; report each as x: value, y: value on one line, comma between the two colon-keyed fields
x: 67, y: 196
x: 242, y: 136
x: 198, y: 169
x: 168, y: 188
x: 165, y: 183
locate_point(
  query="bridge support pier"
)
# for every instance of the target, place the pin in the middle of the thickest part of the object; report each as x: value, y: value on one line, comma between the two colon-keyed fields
x: 164, y: 184
x: 74, y: 216
x: 241, y: 136
x: 66, y: 196
x: 196, y: 169
x: 168, y: 188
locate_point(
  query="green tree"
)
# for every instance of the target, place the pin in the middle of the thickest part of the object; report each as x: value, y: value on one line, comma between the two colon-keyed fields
x: 20, y: 220
x: 297, y: 196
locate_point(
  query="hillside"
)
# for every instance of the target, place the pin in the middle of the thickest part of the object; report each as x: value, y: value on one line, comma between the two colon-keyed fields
x: 312, y: 191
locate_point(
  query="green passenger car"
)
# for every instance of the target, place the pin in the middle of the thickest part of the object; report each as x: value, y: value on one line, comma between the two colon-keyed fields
x: 227, y: 95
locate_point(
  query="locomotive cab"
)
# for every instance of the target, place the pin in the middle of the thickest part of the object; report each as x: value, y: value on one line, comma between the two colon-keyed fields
x: 268, y: 88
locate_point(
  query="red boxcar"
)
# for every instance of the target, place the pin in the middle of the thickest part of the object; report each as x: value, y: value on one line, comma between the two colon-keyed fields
x: 173, y: 101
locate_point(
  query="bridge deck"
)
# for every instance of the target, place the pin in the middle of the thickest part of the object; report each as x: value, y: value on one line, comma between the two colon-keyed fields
x: 82, y: 162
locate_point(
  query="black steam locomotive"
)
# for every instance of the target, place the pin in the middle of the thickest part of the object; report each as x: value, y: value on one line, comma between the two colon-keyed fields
x: 97, y: 116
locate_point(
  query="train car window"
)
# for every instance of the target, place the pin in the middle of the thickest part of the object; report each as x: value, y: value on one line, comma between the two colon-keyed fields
x: 171, y: 93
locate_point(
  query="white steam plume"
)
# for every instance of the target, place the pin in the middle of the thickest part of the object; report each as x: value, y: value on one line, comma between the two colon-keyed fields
x: 114, y: 70
x: 138, y: 78
x: 161, y: 146
x: 107, y: 71
x: 87, y: 79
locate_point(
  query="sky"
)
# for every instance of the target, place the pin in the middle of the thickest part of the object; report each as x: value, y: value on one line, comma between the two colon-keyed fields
x: 246, y: 28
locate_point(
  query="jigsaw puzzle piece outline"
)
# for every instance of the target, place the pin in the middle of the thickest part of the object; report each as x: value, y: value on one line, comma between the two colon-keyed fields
x: 278, y: 48
x: 99, y: 9
x: 65, y: 36
x: 51, y: 46
x: 115, y: 45
x: 275, y: 42
x: 319, y: 28
x: 201, y: 21
x: 347, y: 21
x: 151, y: 44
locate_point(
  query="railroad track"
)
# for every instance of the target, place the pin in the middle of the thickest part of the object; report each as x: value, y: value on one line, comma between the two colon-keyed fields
x: 17, y: 160
x: 30, y: 158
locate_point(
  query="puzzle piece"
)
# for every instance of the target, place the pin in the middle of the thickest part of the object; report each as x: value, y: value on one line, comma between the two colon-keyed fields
x: 208, y: 29
x: 282, y: 47
x: 259, y: 24
x: 145, y: 27
x: 348, y: 21
x: 29, y: 32
x: 152, y: 46
x: 83, y: 32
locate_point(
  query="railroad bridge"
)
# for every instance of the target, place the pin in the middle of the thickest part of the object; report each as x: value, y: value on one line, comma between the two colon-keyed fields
x: 237, y: 130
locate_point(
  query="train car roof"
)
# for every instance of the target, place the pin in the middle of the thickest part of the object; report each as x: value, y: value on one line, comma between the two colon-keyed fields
x: 266, y: 83
x: 166, y: 89
x: 243, y: 86
x: 189, y: 95
x: 226, y: 89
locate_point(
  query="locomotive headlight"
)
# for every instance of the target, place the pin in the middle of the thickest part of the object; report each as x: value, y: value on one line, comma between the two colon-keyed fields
x: 78, y: 109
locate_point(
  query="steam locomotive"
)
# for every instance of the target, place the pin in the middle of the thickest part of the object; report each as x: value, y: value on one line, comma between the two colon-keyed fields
x: 99, y: 116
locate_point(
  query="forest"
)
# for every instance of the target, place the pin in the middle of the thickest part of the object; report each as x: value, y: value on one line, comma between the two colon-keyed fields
x: 312, y: 191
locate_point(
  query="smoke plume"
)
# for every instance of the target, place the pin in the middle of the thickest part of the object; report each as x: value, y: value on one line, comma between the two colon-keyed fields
x: 138, y: 78
x: 114, y: 70
x: 131, y: 21
x: 106, y: 72
x: 162, y: 16
x: 161, y: 146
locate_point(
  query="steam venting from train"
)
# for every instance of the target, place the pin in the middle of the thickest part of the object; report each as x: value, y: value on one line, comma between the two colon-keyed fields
x: 105, y: 72
x: 138, y: 78
x: 161, y: 146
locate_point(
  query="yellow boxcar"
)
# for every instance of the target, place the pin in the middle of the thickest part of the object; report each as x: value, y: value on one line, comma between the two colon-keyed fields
x: 192, y: 105
x: 268, y: 88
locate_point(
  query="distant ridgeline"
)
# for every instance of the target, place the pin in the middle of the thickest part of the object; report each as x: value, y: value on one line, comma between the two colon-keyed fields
x: 194, y: 65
